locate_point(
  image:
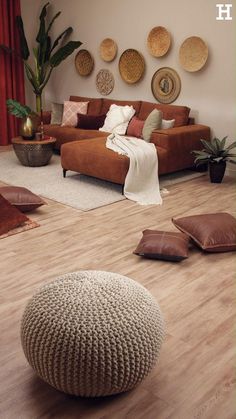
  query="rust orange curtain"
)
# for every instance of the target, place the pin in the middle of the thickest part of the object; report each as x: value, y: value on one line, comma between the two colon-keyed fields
x: 11, y: 69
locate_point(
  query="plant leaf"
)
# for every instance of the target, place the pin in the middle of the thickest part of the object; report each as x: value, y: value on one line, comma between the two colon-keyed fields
x: 52, y: 21
x: 42, y: 33
x: 63, y: 53
x: 66, y: 32
x: 232, y: 145
x: 15, y: 108
x: 23, y: 43
x: 223, y: 141
x: 209, y: 146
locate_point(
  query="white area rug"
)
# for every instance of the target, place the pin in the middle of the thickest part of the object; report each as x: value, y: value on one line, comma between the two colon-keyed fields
x: 78, y: 191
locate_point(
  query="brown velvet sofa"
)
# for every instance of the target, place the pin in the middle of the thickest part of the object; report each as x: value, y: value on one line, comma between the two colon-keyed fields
x: 85, y: 151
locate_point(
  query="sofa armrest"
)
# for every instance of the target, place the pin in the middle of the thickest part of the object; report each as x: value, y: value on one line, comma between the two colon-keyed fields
x: 47, y: 117
x: 185, y: 138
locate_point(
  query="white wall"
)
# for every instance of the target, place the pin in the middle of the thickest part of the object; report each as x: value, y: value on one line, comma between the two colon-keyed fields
x: 210, y: 93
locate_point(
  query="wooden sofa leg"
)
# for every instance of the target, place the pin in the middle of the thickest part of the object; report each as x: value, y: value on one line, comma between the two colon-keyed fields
x: 64, y: 172
x: 123, y: 187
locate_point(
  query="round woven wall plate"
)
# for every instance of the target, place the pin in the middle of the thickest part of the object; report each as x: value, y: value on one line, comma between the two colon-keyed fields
x: 158, y: 41
x: 166, y: 85
x: 105, y: 82
x: 84, y: 62
x: 131, y: 66
x: 108, y: 49
x: 193, y: 54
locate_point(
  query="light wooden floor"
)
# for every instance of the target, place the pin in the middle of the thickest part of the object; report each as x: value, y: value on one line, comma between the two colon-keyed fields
x: 195, y: 377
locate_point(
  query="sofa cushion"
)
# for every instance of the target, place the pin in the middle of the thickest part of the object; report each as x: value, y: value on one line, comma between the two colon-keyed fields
x: 108, y: 102
x: 152, y: 122
x: 179, y: 113
x: 211, y: 232
x: 164, y: 245
x: 94, y: 104
x: 167, y: 123
x: 68, y: 134
x: 135, y: 128
x: 23, y: 199
x: 93, y: 158
x: 70, y: 111
x: 90, y: 121
x: 117, y: 119
x: 57, y: 113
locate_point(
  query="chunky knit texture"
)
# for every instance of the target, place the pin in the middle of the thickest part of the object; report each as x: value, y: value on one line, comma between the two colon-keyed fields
x: 92, y: 333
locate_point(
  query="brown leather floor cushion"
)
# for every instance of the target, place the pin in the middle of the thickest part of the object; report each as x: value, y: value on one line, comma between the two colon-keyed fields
x: 10, y: 217
x: 91, y: 157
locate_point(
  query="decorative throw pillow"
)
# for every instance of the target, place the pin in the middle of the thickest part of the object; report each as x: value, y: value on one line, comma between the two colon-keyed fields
x: 135, y: 128
x: 10, y: 217
x: 117, y: 119
x: 70, y: 112
x: 211, y: 232
x: 152, y: 122
x: 163, y: 245
x: 57, y: 113
x: 21, y: 198
x: 167, y: 123
x: 90, y: 121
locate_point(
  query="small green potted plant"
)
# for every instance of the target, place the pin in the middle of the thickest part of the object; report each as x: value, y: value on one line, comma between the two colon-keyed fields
x: 215, y: 154
x: 30, y: 119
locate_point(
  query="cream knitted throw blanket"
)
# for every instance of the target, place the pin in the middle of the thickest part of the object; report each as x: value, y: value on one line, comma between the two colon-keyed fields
x: 141, y: 183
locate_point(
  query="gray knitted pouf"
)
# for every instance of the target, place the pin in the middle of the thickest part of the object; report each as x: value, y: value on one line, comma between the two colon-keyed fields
x: 92, y: 333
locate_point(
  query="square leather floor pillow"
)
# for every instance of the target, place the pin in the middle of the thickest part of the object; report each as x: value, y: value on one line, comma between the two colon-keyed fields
x: 211, y: 232
x: 172, y: 246
x: 21, y: 198
x: 10, y: 217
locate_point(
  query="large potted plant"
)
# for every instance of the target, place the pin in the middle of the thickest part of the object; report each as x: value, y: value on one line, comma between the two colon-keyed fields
x: 215, y: 154
x: 47, y: 54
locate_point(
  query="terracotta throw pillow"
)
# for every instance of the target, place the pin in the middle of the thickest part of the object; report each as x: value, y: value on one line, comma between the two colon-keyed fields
x: 70, y: 112
x: 211, y: 232
x: 135, y: 128
x: 152, y: 122
x: 21, y: 198
x: 10, y: 217
x: 90, y: 121
x: 164, y: 245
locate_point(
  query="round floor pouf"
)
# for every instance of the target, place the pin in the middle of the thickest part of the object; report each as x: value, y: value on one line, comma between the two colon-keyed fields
x: 92, y: 333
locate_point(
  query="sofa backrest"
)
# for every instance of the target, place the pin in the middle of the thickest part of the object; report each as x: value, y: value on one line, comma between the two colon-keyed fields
x: 94, y: 106
x: 179, y: 113
x: 108, y: 102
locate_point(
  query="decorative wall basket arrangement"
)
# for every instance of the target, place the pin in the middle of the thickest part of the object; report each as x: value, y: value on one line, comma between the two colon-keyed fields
x: 166, y: 85
x: 193, y: 54
x: 108, y: 49
x: 105, y: 82
x: 84, y: 62
x: 131, y: 66
x: 158, y: 41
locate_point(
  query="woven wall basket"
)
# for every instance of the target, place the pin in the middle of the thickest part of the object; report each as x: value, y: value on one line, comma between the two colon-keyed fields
x: 166, y: 85
x: 193, y: 54
x: 158, y: 41
x: 84, y: 62
x: 131, y: 66
x: 108, y: 49
x: 105, y: 82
